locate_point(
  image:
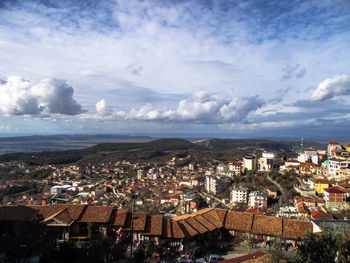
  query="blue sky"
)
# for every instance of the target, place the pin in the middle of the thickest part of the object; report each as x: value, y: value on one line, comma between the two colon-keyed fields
x: 223, y: 68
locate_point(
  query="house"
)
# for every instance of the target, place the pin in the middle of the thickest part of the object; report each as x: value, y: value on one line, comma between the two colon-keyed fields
x: 235, y: 168
x: 257, y: 200
x: 335, y: 197
x: 319, y: 185
x: 333, y: 146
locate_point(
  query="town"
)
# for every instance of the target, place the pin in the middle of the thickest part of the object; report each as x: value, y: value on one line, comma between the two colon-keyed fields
x: 181, y: 202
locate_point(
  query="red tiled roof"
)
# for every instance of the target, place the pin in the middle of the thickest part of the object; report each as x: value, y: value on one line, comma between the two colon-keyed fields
x: 187, y: 229
x: 139, y: 221
x: 205, y: 223
x: 239, y: 221
x: 75, y: 211
x: 96, y: 214
x: 317, y: 213
x: 154, y: 226
x: 335, y: 189
x: 196, y: 225
x: 120, y: 217
x: 221, y: 214
x: 267, y: 225
x: 294, y: 229
x: 213, y: 218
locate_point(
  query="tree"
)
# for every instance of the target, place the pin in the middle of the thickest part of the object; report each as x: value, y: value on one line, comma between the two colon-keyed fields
x: 320, y: 248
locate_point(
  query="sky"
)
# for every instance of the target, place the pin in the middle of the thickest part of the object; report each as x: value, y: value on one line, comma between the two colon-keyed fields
x: 175, y: 68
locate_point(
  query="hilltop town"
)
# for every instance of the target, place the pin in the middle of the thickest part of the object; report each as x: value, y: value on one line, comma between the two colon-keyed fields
x: 263, y: 193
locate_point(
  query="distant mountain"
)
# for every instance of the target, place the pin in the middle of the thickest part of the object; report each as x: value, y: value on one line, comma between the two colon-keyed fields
x: 61, y: 142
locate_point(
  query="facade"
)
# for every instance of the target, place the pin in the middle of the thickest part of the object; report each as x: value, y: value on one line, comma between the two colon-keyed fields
x: 249, y: 162
x: 335, y: 165
x: 257, y: 200
x: 335, y: 197
x: 239, y: 195
x: 235, y: 168
x: 215, y: 184
x: 333, y: 146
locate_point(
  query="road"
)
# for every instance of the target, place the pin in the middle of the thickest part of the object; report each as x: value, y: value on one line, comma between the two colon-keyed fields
x: 282, y: 199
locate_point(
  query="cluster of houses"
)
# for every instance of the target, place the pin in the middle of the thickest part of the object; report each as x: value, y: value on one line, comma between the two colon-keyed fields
x: 85, y: 222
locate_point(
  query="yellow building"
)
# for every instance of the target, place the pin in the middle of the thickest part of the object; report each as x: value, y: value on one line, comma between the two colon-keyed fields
x: 320, y: 185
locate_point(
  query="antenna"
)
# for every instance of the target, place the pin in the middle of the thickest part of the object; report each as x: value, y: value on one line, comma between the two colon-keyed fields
x: 301, y: 143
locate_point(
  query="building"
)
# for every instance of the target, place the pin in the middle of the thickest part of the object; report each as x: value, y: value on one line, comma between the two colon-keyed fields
x: 235, y: 168
x: 309, y: 155
x: 333, y: 146
x: 335, y: 197
x: 319, y: 185
x: 239, y: 195
x: 249, y: 162
x: 265, y: 163
x: 257, y: 200
x: 335, y: 165
x: 215, y: 184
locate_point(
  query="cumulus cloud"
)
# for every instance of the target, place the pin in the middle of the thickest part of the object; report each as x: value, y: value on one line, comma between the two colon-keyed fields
x: 21, y: 97
x: 329, y: 88
x: 293, y: 72
x: 202, y: 107
x: 101, y: 108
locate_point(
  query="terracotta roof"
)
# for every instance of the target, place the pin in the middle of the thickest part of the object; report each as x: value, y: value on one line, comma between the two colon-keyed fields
x: 221, y: 214
x: 317, y: 213
x: 267, y: 225
x: 186, y: 228
x: 176, y: 230
x: 213, y: 218
x: 167, y: 228
x: 17, y: 213
x: 96, y: 214
x: 75, y: 211
x: 205, y: 223
x: 139, y: 221
x: 239, y: 221
x: 120, y: 217
x: 294, y: 229
x: 200, y: 212
x: 154, y: 225
x: 196, y: 225
x: 334, y: 189
x: 62, y: 216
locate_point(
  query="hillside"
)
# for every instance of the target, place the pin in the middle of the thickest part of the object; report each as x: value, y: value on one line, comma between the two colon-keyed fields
x: 255, y: 144
x: 107, y: 151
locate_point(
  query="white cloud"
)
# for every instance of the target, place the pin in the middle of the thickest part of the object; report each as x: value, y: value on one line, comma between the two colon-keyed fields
x: 21, y: 97
x: 202, y: 107
x: 329, y: 88
x: 101, y: 108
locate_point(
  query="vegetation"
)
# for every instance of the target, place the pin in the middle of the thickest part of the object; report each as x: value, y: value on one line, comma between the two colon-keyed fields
x: 325, y: 247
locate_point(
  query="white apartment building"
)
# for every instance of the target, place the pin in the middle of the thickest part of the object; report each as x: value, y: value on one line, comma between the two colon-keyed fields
x: 335, y: 165
x: 257, y: 200
x: 309, y: 154
x: 215, y: 184
x: 239, y: 195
